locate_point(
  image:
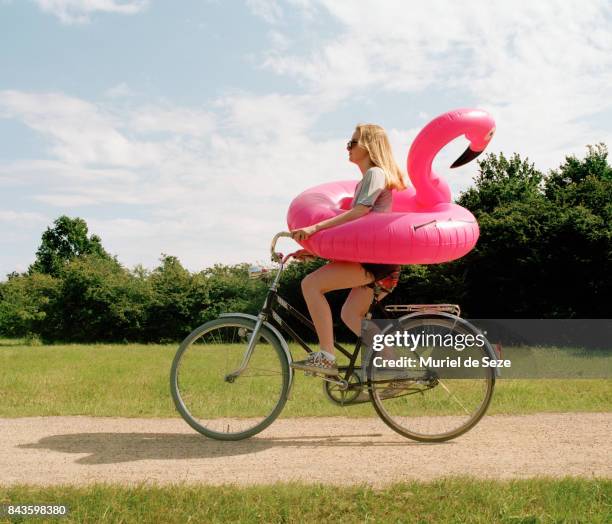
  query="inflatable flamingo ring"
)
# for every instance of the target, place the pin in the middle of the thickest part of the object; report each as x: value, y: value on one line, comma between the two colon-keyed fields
x: 424, y: 226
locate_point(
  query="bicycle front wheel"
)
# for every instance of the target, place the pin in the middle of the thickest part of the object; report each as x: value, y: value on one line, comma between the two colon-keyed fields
x: 428, y: 403
x: 217, y: 391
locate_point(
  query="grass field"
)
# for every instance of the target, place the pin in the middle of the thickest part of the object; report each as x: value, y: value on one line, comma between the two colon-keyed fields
x: 449, y: 500
x: 132, y: 381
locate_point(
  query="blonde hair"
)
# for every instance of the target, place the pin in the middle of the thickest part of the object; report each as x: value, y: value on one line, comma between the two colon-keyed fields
x: 374, y: 139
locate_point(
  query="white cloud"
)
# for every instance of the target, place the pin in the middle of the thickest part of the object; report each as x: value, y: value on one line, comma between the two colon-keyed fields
x: 182, y: 121
x: 82, y: 133
x: 212, y: 183
x: 279, y: 40
x: 22, y: 172
x: 8, y: 216
x: 269, y: 10
x: 19, y: 230
x: 119, y: 91
x: 213, y: 188
x: 540, y: 68
x: 261, y: 117
x: 79, y: 11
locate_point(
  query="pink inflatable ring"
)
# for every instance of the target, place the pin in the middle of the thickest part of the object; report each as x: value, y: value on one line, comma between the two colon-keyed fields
x: 424, y: 226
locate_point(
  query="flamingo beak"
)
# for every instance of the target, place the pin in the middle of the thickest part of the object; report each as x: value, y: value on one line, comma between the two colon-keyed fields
x: 467, y: 156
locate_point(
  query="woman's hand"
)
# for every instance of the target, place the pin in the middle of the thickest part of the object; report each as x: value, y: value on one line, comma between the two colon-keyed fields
x: 303, y: 233
x: 304, y: 255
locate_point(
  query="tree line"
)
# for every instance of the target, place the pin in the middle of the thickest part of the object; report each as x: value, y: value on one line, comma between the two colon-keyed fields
x: 545, y: 251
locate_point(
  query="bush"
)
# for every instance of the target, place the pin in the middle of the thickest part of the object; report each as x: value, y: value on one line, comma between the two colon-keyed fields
x: 98, y: 300
x: 24, y: 302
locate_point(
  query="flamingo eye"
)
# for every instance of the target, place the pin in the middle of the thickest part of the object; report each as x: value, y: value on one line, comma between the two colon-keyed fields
x: 490, y: 134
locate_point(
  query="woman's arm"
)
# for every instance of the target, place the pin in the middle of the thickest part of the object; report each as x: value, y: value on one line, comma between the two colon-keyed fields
x: 357, y: 212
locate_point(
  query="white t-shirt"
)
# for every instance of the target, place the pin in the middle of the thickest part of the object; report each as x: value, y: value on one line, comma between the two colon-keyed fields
x: 372, y: 191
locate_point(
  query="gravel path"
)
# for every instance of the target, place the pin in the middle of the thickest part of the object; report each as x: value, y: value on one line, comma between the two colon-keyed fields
x: 336, y: 450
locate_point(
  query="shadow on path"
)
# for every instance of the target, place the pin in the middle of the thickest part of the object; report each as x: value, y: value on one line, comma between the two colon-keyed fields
x: 112, y: 448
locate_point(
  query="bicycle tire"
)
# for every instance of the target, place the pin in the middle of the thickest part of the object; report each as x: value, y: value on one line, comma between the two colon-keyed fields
x: 186, y: 411
x: 381, y: 404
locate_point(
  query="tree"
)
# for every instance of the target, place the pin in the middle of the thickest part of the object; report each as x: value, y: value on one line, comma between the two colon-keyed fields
x: 24, y: 300
x: 171, y: 308
x: 61, y: 243
x: 500, y: 182
x: 545, y: 247
x: 98, y: 300
x: 586, y: 182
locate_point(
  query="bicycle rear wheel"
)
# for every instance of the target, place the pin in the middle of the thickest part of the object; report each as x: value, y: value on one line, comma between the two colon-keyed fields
x: 213, y: 395
x: 425, y: 403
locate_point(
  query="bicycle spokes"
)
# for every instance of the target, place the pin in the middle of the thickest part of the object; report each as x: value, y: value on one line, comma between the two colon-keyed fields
x: 426, y: 402
x: 219, y: 391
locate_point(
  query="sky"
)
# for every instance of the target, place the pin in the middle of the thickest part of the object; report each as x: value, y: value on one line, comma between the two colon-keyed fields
x: 186, y: 128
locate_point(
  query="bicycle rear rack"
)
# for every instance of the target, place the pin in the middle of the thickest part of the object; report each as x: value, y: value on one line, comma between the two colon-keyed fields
x: 453, y: 309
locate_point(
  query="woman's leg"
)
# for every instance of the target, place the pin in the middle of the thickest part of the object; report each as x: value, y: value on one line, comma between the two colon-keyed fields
x: 334, y: 275
x: 358, y: 302
x: 356, y: 306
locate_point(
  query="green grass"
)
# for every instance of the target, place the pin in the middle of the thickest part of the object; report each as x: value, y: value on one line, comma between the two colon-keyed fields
x: 132, y: 381
x: 448, y: 500
x: 553, y: 362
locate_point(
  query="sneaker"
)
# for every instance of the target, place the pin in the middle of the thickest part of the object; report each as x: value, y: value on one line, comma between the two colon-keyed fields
x: 317, y: 362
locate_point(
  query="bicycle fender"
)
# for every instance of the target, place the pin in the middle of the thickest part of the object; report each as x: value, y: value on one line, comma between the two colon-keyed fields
x: 276, y: 332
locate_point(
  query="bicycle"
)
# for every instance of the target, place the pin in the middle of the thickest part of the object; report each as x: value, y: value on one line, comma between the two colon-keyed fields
x: 230, y: 377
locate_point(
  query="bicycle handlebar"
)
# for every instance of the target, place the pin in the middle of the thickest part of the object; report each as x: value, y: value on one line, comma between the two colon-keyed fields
x: 277, y: 257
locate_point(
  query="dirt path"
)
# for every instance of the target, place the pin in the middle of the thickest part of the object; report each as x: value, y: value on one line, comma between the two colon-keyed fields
x: 81, y: 450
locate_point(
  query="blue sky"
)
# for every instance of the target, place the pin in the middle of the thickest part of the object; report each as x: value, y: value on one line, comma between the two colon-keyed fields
x: 187, y: 127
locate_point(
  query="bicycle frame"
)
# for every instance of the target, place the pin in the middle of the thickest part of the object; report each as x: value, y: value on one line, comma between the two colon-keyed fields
x: 270, y: 313
x: 274, y: 301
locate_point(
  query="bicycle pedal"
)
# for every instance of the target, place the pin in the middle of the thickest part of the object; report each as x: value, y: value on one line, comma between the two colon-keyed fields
x: 336, y: 380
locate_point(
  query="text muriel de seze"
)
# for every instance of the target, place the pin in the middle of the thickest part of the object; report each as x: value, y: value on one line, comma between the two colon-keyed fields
x: 412, y: 341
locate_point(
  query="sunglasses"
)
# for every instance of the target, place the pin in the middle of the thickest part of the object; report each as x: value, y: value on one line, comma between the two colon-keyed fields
x: 351, y: 144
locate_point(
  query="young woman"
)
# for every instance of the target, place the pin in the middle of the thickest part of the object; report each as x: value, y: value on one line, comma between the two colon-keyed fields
x: 370, y: 150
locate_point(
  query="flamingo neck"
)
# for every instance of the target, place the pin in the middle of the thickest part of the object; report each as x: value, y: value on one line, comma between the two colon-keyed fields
x: 430, y: 188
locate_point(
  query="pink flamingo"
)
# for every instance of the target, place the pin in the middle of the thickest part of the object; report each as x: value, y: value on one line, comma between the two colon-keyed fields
x: 424, y: 227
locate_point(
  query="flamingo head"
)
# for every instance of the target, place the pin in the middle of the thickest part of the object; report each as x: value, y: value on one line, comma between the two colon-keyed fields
x: 479, y: 138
